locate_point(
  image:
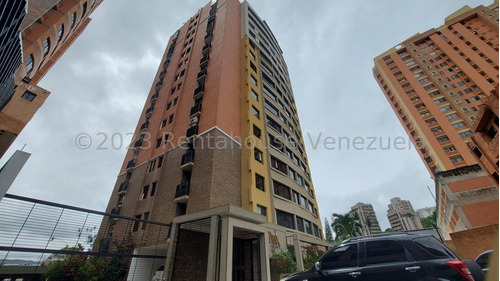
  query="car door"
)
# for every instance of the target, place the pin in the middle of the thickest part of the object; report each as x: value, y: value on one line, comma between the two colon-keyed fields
x: 388, y: 260
x: 341, y: 264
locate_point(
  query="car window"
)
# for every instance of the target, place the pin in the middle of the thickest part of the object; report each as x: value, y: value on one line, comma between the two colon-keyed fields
x: 433, y: 247
x: 483, y: 260
x: 384, y: 251
x: 344, y: 256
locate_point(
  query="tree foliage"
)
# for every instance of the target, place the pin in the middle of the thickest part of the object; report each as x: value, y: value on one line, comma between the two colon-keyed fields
x: 328, y: 232
x: 283, y: 262
x: 345, y: 226
x: 311, y: 256
x: 430, y: 221
x: 85, y: 268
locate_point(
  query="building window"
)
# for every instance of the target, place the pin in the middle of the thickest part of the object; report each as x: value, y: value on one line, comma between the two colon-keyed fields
x: 158, y: 142
x: 492, y: 132
x: 73, y: 19
x: 93, y: 3
x: 456, y: 159
x: 136, y: 223
x: 163, y: 123
x: 300, y: 224
x: 261, y: 210
x: 60, y: 32
x: 308, y: 227
x: 254, y: 95
x: 259, y: 182
x: 277, y: 164
x: 255, y: 112
x: 256, y: 131
x: 145, y: 191
x: 449, y: 148
x: 46, y: 46
x: 29, y: 96
x: 84, y: 9
x: 458, y: 125
x: 170, y: 119
x: 169, y: 105
x: 160, y: 160
x: 30, y: 63
x: 282, y: 190
x: 285, y: 219
x: 257, y: 155
x: 443, y: 139
x: 152, y: 164
x: 465, y: 133
x: 146, y: 215
x: 254, y: 81
x: 153, y: 188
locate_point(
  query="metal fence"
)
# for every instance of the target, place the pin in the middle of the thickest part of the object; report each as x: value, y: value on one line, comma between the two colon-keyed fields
x: 36, y: 234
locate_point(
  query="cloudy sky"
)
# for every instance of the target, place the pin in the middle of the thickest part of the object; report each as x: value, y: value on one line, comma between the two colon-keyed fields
x: 100, y: 85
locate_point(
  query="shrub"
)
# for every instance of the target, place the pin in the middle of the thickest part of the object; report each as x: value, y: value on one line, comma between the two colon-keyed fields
x: 283, y: 262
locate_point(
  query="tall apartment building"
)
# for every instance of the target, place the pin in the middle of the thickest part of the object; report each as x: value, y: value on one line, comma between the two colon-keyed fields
x: 367, y: 218
x: 437, y: 82
x: 401, y: 215
x: 11, y: 17
x: 218, y: 151
x: 47, y: 31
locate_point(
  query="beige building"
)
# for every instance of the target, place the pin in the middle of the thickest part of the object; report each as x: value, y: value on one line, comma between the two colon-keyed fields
x: 367, y: 218
x: 401, y: 215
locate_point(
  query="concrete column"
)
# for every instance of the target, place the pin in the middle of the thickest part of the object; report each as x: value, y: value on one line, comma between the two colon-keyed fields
x: 265, y: 267
x: 170, y: 252
x: 226, y: 253
x: 298, y: 252
x: 212, y: 249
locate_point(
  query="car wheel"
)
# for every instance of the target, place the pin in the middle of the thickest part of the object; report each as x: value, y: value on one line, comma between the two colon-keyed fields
x: 475, y: 270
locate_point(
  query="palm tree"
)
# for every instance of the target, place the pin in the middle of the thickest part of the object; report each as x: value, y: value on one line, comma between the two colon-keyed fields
x: 345, y: 226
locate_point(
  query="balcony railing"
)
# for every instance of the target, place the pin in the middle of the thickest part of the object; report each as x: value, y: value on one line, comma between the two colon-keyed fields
x: 158, y: 85
x: 204, y: 61
x: 115, y: 211
x: 208, y: 37
x: 188, y: 157
x: 195, y: 110
x: 144, y: 126
x: 123, y: 187
x: 182, y: 190
x: 131, y: 164
x: 206, y: 49
x: 201, y: 76
x: 149, y: 111
x: 192, y: 131
x: 210, y: 25
x: 154, y: 97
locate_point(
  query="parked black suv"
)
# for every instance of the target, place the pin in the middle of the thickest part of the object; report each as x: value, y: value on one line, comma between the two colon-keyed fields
x: 395, y: 257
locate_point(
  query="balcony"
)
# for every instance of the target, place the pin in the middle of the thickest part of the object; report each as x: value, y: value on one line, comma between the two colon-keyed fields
x: 192, y: 131
x: 210, y: 25
x: 154, y: 97
x: 115, y: 211
x: 158, y: 85
x: 208, y: 37
x: 195, y: 110
x: 204, y: 61
x: 187, y: 160
x: 144, y: 126
x: 198, y: 92
x: 123, y: 188
x: 138, y: 143
x: 182, y: 192
x: 130, y: 164
x: 202, y: 75
x: 149, y: 111
x: 206, y: 49
x: 162, y: 74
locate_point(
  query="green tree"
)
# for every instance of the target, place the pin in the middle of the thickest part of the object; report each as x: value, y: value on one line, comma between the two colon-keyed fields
x: 389, y: 230
x: 345, y: 226
x: 328, y: 232
x: 430, y: 221
x: 311, y: 256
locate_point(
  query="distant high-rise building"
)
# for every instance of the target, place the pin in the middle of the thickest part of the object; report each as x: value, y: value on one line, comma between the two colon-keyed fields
x: 425, y: 212
x: 367, y: 218
x: 47, y: 30
x: 402, y: 216
x: 218, y: 151
x: 437, y: 82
